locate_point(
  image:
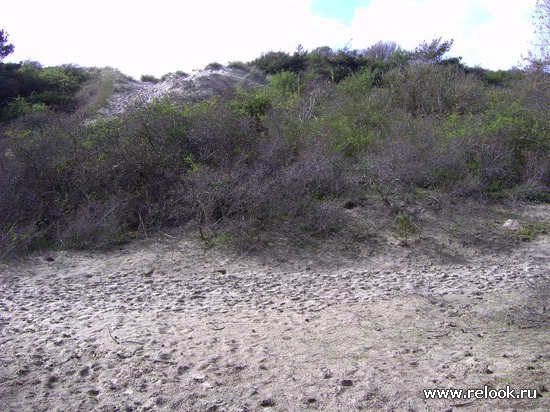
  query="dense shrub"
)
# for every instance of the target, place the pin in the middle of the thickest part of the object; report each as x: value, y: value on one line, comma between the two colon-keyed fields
x: 239, y: 65
x: 214, y: 66
x: 411, y: 156
x: 336, y: 65
x: 428, y: 89
x: 276, y: 62
x: 149, y: 78
x: 281, y: 190
x: 502, y: 78
x: 32, y: 84
x: 356, y: 114
x: 247, y: 163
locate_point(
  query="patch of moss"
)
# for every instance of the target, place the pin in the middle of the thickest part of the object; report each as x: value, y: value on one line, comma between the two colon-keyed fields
x: 532, y: 230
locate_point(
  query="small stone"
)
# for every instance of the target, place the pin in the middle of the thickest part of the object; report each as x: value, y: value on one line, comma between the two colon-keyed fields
x: 165, y: 356
x: 266, y: 403
x: 113, y: 385
x: 199, y: 378
x: 347, y: 382
x: 148, y: 274
x: 512, y: 224
x: 51, y: 380
x: 488, y: 371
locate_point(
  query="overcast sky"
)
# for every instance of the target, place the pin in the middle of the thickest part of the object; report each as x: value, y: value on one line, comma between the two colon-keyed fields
x: 161, y: 36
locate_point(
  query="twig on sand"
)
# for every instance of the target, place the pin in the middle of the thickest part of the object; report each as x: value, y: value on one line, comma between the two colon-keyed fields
x: 459, y: 405
x: 164, y: 361
x: 118, y: 342
x: 111, y: 335
x: 439, y: 336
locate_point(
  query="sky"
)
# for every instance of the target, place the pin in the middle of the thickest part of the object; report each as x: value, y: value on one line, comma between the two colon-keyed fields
x: 161, y: 36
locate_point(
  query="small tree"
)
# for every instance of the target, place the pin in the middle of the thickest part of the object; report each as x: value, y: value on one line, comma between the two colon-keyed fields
x: 5, y: 48
x: 432, y: 52
x: 382, y: 50
x: 406, y: 228
x: 540, y: 57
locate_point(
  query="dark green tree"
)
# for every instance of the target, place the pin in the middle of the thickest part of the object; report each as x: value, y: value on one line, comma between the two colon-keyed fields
x: 5, y: 48
x: 277, y: 62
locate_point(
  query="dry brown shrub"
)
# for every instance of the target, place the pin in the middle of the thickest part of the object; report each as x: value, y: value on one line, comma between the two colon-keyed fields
x: 284, y: 189
x: 430, y: 89
x: 95, y: 224
x: 414, y: 156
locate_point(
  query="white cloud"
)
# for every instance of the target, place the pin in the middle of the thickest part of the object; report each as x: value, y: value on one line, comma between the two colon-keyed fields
x: 141, y: 37
x: 491, y: 33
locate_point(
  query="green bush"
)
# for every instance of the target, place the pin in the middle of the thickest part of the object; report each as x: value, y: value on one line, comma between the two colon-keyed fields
x: 511, y: 119
x: 285, y: 84
x: 500, y: 78
x: 239, y: 65
x: 214, y: 66
x: 55, y: 87
x: 355, y: 114
x: 20, y: 106
x: 254, y: 104
x: 360, y: 83
x: 276, y: 62
x: 336, y: 64
x: 149, y: 78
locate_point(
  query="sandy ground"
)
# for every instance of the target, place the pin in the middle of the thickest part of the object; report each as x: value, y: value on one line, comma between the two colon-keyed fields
x: 167, y: 324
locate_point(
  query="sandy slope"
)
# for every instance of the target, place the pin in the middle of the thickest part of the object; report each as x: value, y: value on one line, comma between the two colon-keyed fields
x: 169, y: 325
x: 199, y: 84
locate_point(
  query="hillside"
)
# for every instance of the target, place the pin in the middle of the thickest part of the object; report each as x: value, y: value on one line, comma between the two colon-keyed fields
x: 121, y: 158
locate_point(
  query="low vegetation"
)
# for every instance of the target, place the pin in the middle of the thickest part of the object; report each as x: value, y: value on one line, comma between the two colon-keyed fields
x: 331, y: 128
